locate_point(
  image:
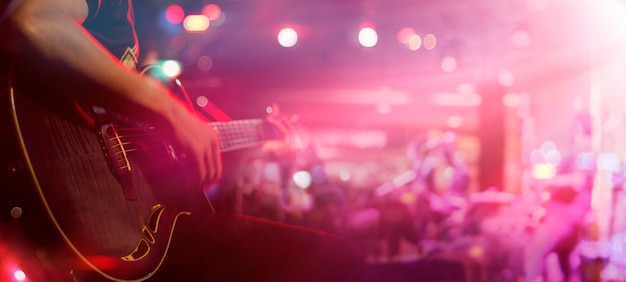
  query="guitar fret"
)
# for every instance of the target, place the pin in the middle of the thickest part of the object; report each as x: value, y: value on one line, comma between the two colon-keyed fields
x: 240, y: 134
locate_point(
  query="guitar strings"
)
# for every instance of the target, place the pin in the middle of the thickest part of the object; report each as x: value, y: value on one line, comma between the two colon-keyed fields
x: 234, y: 135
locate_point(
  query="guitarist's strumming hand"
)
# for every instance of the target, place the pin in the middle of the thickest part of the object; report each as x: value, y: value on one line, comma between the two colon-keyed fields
x: 197, y: 142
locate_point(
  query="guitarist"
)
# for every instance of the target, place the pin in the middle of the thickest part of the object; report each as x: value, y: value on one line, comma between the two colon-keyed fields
x: 90, y: 47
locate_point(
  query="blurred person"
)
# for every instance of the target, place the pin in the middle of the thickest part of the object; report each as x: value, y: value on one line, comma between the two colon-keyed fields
x: 441, y: 183
x: 83, y: 53
x: 566, y: 210
x: 328, y: 209
x: 559, y: 230
x: 262, y: 192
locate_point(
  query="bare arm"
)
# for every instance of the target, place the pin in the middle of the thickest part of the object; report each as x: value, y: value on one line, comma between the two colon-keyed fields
x: 48, y: 37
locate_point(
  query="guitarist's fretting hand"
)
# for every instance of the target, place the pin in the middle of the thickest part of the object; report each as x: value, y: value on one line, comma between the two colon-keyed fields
x: 291, y: 142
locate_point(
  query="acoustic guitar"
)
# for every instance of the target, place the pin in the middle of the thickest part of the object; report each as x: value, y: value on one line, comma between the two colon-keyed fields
x: 103, y: 196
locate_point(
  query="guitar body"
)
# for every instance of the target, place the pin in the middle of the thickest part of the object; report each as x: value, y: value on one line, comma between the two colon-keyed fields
x: 80, y: 205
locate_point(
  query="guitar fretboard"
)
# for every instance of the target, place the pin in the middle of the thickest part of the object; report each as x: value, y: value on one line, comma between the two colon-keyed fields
x: 241, y: 134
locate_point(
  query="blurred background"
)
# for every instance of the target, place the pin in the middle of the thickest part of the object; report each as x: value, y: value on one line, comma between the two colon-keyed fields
x: 435, y: 134
x: 477, y: 140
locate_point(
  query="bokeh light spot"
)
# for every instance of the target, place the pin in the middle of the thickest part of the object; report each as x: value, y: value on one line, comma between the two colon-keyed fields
x: 405, y: 35
x: 430, y: 41
x: 202, y: 101
x: 19, y: 275
x: 174, y: 14
x: 415, y: 42
x: 368, y: 37
x: 212, y: 11
x: 171, y: 68
x: 204, y: 63
x: 302, y: 179
x: 287, y: 37
x: 448, y: 64
x: 196, y: 23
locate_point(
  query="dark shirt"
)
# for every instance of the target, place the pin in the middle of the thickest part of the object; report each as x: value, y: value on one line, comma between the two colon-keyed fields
x: 112, y: 23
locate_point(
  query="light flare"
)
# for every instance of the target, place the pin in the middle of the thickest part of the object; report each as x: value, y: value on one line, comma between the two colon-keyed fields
x: 196, y: 23
x: 302, y: 179
x: 174, y: 14
x: 19, y: 275
x: 368, y: 36
x: 287, y: 37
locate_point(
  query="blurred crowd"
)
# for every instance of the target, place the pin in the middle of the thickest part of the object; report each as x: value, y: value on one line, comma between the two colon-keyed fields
x: 424, y: 213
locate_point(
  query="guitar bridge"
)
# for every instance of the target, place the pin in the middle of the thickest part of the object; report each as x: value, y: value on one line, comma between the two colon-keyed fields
x: 116, y: 153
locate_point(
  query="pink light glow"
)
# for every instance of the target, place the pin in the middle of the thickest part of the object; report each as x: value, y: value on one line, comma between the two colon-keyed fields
x: 405, y: 34
x: 212, y: 11
x: 19, y: 275
x: 174, y: 14
x: 196, y: 23
x: 544, y: 171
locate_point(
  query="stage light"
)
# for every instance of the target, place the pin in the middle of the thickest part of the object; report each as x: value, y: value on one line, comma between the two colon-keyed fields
x: 19, y: 275
x: 164, y: 71
x: 367, y: 35
x: 415, y: 42
x: 196, y: 23
x: 212, y: 11
x: 171, y: 68
x: 448, y: 64
x: 174, y: 14
x: 544, y: 171
x: 429, y: 42
x: 302, y: 179
x: 405, y: 35
x: 287, y: 37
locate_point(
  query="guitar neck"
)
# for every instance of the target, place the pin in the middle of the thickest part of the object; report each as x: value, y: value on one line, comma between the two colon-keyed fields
x: 242, y: 134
